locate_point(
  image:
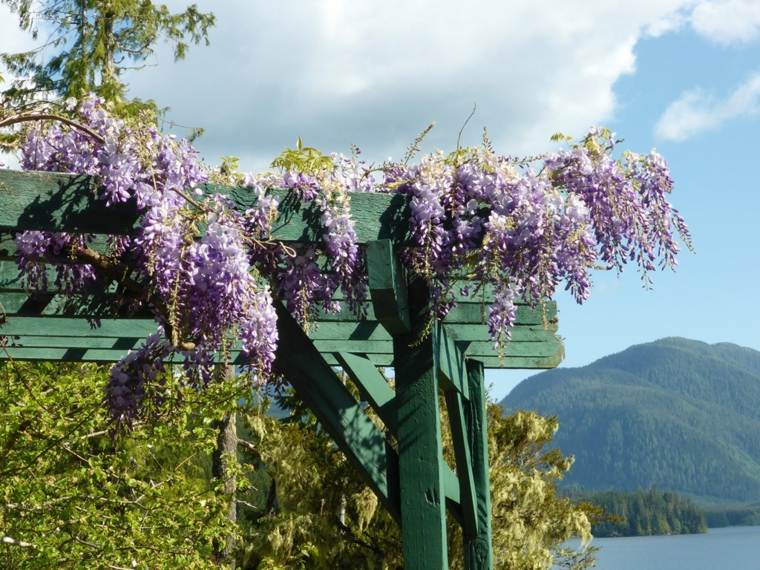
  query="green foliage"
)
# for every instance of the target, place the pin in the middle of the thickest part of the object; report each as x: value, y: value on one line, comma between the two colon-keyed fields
x: 306, y: 159
x: 644, y: 513
x: 228, y: 172
x: 324, y: 516
x: 530, y: 519
x: 679, y: 414
x: 414, y: 147
x: 75, y: 495
x: 90, y: 43
x: 308, y: 508
x: 561, y: 137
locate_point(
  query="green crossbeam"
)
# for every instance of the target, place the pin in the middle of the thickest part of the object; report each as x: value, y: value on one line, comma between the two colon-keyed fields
x: 67, y: 203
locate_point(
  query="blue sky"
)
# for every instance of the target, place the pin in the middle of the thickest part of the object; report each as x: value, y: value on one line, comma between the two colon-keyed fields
x: 713, y: 296
x: 679, y: 75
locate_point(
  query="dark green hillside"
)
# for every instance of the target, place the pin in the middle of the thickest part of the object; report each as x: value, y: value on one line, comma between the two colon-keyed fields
x: 677, y: 414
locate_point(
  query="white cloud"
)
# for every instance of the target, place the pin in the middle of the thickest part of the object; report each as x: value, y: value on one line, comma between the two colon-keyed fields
x: 671, y: 21
x: 727, y: 21
x: 696, y: 111
x: 721, y: 21
x: 376, y: 72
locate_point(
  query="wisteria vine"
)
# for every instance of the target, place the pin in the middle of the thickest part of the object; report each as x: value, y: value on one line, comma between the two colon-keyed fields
x: 211, y: 273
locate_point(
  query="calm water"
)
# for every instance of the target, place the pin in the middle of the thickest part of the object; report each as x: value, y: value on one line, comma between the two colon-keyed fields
x: 732, y: 548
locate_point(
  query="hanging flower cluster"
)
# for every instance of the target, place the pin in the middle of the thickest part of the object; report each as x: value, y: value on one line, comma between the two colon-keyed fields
x: 209, y: 272
x: 525, y: 230
x: 130, y: 376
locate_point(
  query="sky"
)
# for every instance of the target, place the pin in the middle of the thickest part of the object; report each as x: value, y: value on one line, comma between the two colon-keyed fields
x: 682, y: 76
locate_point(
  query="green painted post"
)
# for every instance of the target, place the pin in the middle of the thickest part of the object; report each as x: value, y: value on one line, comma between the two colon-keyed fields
x: 387, y: 287
x: 478, y: 550
x: 421, y: 465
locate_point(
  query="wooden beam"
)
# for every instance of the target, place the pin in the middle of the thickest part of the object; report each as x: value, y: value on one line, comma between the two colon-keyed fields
x: 453, y: 377
x: 68, y: 203
x: 372, y: 385
x: 421, y: 465
x: 451, y: 361
x: 478, y: 549
x: 455, y: 407
x: 14, y: 299
x: 376, y: 390
x: 337, y: 410
x: 59, y: 202
x: 387, y: 287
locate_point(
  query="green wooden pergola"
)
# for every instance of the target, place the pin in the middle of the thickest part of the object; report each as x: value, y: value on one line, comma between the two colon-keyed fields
x: 403, y: 463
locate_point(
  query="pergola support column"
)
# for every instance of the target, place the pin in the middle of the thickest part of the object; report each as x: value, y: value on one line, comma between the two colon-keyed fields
x: 478, y: 549
x: 428, y: 361
x: 421, y: 464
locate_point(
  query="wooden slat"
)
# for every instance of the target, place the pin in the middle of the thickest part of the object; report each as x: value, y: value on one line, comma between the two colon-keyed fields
x: 64, y: 354
x: 522, y: 362
x: 109, y: 328
x: 61, y: 326
x: 17, y: 303
x: 112, y: 343
x: 462, y: 291
x: 10, y: 279
x: 381, y: 360
x: 35, y: 331
x: 14, y: 324
x: 521, y: 350
x: 67, y: 203
x: 8, y: 245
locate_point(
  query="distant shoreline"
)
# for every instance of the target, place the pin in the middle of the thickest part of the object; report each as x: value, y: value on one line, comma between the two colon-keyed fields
x: 645, y: 512
x: 729, y: 547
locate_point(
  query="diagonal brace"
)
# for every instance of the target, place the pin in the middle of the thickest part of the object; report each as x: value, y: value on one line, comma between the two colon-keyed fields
x: 381, y: 396
x: 337, y: 410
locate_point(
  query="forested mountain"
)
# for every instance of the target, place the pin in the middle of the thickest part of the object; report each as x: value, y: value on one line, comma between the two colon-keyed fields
x: 678, y: 414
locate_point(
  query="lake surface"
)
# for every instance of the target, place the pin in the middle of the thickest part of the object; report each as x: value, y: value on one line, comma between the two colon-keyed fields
x: 731, y: 548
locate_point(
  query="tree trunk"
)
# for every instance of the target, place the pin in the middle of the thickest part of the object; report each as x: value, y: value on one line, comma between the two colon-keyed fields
x: 226, y: 446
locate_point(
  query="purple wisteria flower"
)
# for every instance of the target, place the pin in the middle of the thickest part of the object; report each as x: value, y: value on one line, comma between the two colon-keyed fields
x: 211, y: 274
x: 129, y: 377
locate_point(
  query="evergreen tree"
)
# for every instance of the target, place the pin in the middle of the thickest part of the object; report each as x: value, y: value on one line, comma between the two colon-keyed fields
x: 88, y: 44
x: 324, y: 516
x: 643, y: 513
